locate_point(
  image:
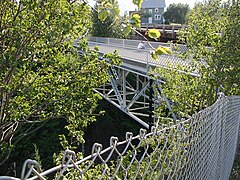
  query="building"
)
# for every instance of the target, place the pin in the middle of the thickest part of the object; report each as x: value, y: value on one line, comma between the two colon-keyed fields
x: 152, y: 11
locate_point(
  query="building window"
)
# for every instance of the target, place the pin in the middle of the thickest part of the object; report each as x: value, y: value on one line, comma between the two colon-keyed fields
x: 157, y: 17
x: 156, y: 10
x: 150, y: 11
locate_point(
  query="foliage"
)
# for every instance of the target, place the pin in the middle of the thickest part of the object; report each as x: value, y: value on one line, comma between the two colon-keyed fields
x: 47, y: 141
x: 107, y: 9
x: 41, y: 76
x: 176, y: 13
x: 135, y: 20
x: 148, y: 157
x: 210, y: 30
x: 213, y: 56
x: 158, y: 151
x: 226, y: 59
x: 107, y: 23
x: 153, y: 33
x: 138, y: 3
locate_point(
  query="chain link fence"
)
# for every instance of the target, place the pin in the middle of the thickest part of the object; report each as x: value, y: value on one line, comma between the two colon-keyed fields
x: 202, y: 147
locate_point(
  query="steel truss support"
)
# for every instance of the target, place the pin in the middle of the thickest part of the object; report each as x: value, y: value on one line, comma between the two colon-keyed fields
x: 136, y: 94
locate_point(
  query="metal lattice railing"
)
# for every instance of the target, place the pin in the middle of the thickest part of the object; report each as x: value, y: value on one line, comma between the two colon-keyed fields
x: 133, y: 43
x: 124, y: 42
x: 202, y: 147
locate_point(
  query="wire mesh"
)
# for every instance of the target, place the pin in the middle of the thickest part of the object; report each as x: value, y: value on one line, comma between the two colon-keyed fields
x: 202, y: 147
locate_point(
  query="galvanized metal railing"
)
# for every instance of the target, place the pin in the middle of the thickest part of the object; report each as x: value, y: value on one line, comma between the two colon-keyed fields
x: 127, y: 49
x: 134, y: 43
x: 202, y: 147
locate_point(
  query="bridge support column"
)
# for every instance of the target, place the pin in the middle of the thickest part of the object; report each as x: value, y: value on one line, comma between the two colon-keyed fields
x: 151, y: 108
x: 124, y: 87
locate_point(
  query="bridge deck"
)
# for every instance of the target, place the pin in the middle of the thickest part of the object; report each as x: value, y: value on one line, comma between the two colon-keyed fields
x: 140, y: 60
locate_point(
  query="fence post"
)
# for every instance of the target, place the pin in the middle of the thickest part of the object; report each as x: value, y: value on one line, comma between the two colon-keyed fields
x: 222, y: 135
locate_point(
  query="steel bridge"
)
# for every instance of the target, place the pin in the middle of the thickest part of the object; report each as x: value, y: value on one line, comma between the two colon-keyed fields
x: 132, y: 87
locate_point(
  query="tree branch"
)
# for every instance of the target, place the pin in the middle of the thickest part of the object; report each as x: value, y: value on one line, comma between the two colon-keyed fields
x: 134, y: 29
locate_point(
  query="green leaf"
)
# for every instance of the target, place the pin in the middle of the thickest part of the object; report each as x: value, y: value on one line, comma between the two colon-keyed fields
x: 108, y: 5
x: 135, y: 20
x: 107, y: 9
x: 115, y: 12
x: 103, y: 14
x: 96, y: 48
x: 154, y: 33
x: 138, y: 3
x: 137, y: 25
x: 168, y: 50
x: 160, y: 51
x: 153, y: 54
x: 127, y: 29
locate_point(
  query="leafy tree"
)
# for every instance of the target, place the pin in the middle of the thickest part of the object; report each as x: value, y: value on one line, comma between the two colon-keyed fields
x: 176, y: 13
x: 213, y: 55
x: 109, y: 27
x: 42, y: 76
x: 228, y: 53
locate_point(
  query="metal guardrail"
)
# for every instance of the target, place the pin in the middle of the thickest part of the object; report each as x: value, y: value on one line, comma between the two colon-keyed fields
x: 134, y: 43
x: 124, y: 42
x: 127, y: 49
x: 202, y: 147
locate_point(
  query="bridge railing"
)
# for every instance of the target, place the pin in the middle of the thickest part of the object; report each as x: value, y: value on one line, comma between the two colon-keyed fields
x: 143, y: 56
x: 201, y: 147
x: 134, y: 43
x: 125, y: 42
